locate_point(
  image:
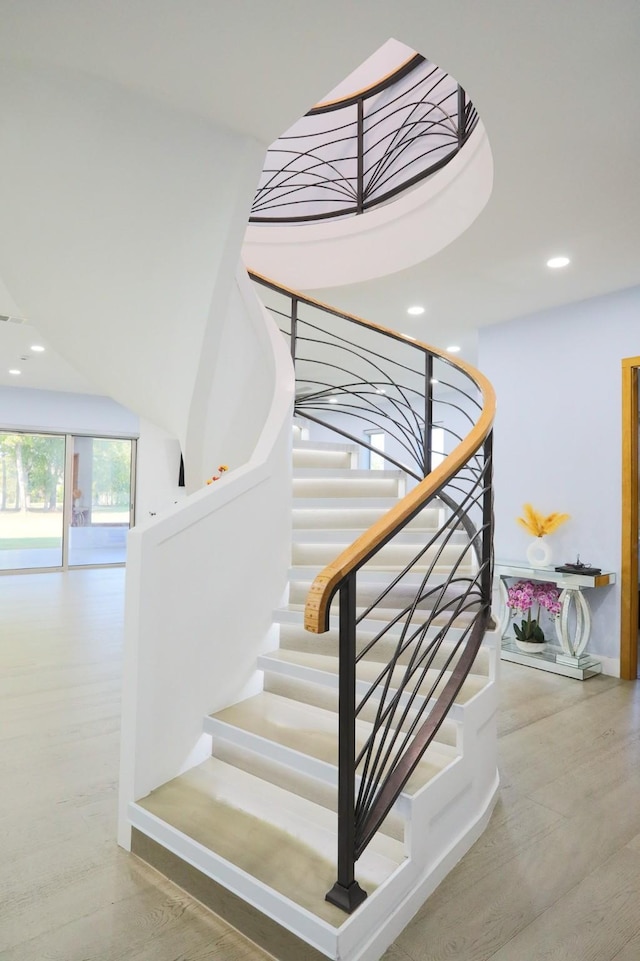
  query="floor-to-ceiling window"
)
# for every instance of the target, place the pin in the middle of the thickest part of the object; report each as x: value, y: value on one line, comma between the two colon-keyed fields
x: 32, y: 470
x: 65, y: 500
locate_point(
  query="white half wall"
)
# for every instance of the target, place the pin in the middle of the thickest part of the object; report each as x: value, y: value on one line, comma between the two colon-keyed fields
x: 557, y: 376
x: 203, y: 580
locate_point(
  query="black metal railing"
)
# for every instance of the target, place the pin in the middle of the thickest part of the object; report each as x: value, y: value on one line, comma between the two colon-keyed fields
x: 348, y: 156
x: 414, y: 591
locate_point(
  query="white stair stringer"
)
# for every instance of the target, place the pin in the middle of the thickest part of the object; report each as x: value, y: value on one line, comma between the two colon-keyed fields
x: 258, y: 819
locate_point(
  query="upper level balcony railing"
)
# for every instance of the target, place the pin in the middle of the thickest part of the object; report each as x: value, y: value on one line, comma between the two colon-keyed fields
x: 347, y: 156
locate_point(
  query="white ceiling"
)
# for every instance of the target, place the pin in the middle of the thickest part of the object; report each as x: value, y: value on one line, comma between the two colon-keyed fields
x: 555, y: 85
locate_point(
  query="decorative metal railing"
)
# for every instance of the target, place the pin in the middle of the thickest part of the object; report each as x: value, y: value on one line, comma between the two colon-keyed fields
x: 347, y: 156
x: 422, y: 615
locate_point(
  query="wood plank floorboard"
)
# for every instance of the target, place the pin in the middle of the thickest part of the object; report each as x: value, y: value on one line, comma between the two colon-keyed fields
x: 556, y: 876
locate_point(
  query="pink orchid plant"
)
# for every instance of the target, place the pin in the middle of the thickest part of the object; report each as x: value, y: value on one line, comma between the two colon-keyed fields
x: 521, y: 598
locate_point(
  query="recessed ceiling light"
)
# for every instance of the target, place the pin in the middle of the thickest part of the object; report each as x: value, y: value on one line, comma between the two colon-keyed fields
x: 434, y: 381
x: 333, y: 400
x: 15, y: 372
x: 555, y: 262
x: 453, y: 349
x: 379, y: 390
x: 416, y: 310
x: 38, y: 348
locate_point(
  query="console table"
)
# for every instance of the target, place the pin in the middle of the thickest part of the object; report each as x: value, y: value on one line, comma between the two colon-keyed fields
x: 569, y: 658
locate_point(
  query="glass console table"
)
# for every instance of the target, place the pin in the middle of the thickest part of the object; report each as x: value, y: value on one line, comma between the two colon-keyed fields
x: 573, y: 625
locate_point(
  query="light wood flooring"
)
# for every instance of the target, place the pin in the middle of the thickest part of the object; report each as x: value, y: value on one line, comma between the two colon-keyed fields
x: 556, y: 877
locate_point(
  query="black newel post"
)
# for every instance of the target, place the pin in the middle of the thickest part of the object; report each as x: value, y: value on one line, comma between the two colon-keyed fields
x: 346, y: 893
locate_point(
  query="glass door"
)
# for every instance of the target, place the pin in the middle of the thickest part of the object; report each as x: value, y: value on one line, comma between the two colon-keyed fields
x: 102, y: 478
x: 31, y: 500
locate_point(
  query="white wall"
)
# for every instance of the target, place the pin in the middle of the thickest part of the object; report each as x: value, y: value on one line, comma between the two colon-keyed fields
x: 24, y: 409
x: 557, y: 376
x: 126, y: 218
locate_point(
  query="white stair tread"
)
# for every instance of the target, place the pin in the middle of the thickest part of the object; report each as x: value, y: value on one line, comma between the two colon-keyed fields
x: 367, y: 671
x: 309, y: 730
x: 294, y: 637
x: 283, y: 840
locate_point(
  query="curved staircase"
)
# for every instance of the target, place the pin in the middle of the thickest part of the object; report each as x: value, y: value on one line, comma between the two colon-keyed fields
x: 252, y: 831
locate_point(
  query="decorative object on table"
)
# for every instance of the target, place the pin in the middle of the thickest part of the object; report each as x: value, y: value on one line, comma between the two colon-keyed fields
x: 216, y: 477
x: 578, y: 568
x: 539, y: 552
x: 521, y: 598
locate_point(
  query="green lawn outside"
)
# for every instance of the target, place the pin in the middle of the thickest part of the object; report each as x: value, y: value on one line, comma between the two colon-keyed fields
x: 28, y: 543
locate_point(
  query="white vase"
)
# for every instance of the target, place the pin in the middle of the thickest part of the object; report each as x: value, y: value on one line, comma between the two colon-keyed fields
x: 530, y: 647
x: 539, y: 553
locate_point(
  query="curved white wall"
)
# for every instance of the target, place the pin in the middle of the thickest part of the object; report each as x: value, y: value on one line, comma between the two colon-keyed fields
x: 122, y: 223
x: 389, y: 238
x: 202, y: 583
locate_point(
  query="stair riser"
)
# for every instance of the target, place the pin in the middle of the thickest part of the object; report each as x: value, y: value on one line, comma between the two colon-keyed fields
x: 295, y: 638
x: 328, y: 517
x: 398, y: 598
x: 391, y: 557
x: 320, y: 792
x: 327, y: 698
x: 322, y: 459
x: 344, y: 487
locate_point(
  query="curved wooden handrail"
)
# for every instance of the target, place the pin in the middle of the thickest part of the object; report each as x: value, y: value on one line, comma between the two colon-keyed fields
x: 405, y: 67
x: 323, y: 588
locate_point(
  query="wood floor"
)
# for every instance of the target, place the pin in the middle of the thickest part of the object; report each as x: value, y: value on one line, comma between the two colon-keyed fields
x: 556, y: 877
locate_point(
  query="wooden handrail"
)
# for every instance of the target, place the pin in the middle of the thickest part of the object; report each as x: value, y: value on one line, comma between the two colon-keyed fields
x: 405, y: 67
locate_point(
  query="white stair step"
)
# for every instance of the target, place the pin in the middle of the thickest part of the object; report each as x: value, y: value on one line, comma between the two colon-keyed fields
x: 330, y: 516
x: 381, y: 616
x: 286, y: 777
x: 347, y: 486
x: 282, y: 840
x: 329, y: 502
x: 322, y: 668
x: 370, y: 585
x: 293, y: 614
x: 392, y: 557
x: 294, y: 637
x: 345, y: 536
x: 305, y: 457
x: 301, y: 444
x: 305, y: 737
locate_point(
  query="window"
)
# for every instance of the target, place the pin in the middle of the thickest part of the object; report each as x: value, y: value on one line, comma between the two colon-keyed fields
x: 376, y: 439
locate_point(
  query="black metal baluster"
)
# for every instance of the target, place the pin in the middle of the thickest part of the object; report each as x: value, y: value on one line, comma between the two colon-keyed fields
x: 486, y: 585
x: 346, y: 893
x: 462, y: 116
x: 294, y: 328
x: 428, y: 413
x: 360, y: 157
